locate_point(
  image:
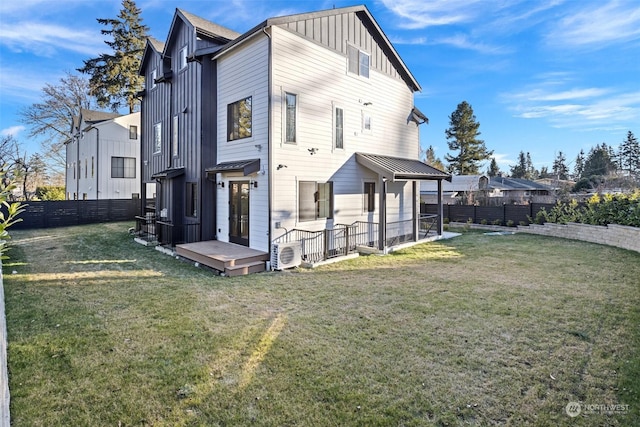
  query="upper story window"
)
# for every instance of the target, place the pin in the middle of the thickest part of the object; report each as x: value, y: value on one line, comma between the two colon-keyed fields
x: 174, y: 137
x: 358, y: 61
x: 123, y: 167
x: 157, y: 137
x: 152, y: 79
x: 239, y: 119
x: 133, y: 132
x: 338, y: 128
x: 291, y: 110
x: 182, y: 58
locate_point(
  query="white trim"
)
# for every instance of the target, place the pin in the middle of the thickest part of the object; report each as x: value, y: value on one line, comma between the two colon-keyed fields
x: 334, y: 107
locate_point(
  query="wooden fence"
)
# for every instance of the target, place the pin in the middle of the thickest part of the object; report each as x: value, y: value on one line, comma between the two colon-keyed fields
x: 76, y: 212
x: 491, y: 214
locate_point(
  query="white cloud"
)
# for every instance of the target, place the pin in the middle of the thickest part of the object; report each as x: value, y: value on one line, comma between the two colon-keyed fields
x: 421, y: 14
x: 598, y: 25
x: 12, y: 131
x: 48, y: 40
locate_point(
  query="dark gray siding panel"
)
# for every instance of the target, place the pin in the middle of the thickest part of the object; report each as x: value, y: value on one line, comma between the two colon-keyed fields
x: 209, y: 148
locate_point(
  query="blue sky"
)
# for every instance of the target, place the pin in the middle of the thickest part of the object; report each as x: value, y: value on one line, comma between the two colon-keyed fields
x: 541, y: 75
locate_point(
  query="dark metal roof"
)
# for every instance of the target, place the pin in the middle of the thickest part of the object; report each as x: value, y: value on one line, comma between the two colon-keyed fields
x: 168, y: 173
x: 396, y: 168
x: 245, y: 166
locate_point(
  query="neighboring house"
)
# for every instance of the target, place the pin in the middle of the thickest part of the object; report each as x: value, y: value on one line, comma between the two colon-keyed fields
x: 103, y: 156
x: 483, y: 190
x: 303, y: 124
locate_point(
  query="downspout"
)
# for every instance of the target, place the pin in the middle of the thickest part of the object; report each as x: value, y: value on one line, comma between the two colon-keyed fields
x: 269, y: 147
x: 97, y: 163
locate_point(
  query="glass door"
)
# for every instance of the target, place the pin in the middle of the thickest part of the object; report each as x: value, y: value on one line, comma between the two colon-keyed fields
x: 239, y: 212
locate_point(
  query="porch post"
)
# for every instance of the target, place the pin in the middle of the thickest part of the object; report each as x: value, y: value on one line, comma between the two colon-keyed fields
x: 416, y: 212
x: 382, y: 223
x: 440, y: 209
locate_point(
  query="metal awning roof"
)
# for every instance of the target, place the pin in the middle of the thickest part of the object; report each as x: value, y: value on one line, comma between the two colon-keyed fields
x: 168, y: 173
x: 245, y: 166
x: 396, y: 168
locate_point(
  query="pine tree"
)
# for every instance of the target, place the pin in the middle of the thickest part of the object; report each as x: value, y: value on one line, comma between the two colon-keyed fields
x: 432, y: 160
x: 578, y: 167
x: 560, y: 169
x: 629, y: 155
x: 493, y: 169
x: 531, y: 172
x: 114, y: 76
x: 520, y: 169
x: 462, y: 136
x: 598, y: 162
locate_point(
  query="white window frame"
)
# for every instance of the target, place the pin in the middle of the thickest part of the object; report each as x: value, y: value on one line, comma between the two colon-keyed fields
x: 355, y: 62
x: 152, y: 79
x: 182, y: 58
x: 285, y: 119
x: 175, y: 150
x: 367, y: 119
x: 157, y: 138
x: 328, y: 203
x: 334, y: 123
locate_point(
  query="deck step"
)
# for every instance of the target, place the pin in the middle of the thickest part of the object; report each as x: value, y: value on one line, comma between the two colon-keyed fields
x: 246, y: 268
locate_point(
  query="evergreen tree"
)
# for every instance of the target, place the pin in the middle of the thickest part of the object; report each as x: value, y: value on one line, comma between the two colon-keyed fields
x: 578, y: 167
x: 520, y: 169
x: 598, y: 162
x: 544, y: 172
x: 432, y: 160
x: 114, y: 76
x: 493, y: 169
x: 531, y: 171
x: 462, y: 136
x: 629, y: 155
x: 560, y: 169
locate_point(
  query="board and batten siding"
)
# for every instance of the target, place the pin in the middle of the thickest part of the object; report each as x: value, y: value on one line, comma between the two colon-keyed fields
x: 243, y: 72
x: 319, y: 77
x: 114, y: 142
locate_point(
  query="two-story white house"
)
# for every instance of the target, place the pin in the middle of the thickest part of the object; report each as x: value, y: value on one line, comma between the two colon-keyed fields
x: 103, y: 156
x: 311, y: 122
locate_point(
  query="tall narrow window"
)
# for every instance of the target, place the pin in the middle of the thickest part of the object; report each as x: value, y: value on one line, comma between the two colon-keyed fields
x: 174, y: 137
x: 157, y: 137
x: 338, y: 132
x: 93, y: 166
x: 152, y: 79
x: 192, y: 199
x: 86, y: 168
x: 239, y: 119
x: 182, y: 58
x: 133, y: 132
x: 370, y: 196
x: 291, y: 106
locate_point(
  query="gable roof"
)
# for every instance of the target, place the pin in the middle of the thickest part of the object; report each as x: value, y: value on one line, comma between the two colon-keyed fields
x: 504, y: 183
x: 208, y: 28
x: 363, y: 14
x: 153, y: 46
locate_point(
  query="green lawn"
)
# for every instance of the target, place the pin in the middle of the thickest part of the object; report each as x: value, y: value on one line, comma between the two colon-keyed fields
x: 477, y: 330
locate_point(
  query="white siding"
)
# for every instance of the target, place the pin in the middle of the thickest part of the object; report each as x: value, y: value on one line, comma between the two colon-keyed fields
x: 243, y: 72
x: 319, y: 77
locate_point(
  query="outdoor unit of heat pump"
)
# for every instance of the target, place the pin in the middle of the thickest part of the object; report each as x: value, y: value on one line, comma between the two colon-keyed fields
x: 285, y: 255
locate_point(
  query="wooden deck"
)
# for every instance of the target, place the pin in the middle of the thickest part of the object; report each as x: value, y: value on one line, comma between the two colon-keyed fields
x: 228, y: 258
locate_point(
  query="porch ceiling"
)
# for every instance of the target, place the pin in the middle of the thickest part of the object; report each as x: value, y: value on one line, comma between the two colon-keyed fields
x: 245, y: 166
x: 396, y: 168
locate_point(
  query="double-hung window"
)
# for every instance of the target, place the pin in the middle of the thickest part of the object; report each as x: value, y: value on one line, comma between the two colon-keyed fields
x: 152, y: 79
x: 133, y: 132
x: 239, y: 120
x: 123, y: 167
x: 291, y: 111
x: 315, y: 200
x: 358, y: 61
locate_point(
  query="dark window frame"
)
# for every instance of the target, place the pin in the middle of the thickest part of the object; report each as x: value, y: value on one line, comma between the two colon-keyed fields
x: 240, y: 119
x: 123, y: 167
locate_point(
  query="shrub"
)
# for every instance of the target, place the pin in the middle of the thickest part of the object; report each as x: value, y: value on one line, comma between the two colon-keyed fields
x: 497, y: 222
x: 510, y: 223
x: 483, y: 221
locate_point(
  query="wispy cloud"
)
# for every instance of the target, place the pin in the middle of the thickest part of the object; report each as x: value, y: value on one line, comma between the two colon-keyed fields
x: 596, y: 25
x: 420, y: 14
x: 48, y: 40
x: 12, y: 131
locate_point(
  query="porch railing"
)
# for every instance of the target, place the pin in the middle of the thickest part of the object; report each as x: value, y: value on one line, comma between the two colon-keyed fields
x: 165, y: 232
x: 344, y: 239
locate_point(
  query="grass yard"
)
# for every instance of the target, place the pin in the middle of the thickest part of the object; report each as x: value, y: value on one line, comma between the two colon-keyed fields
x: 477, y: 330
